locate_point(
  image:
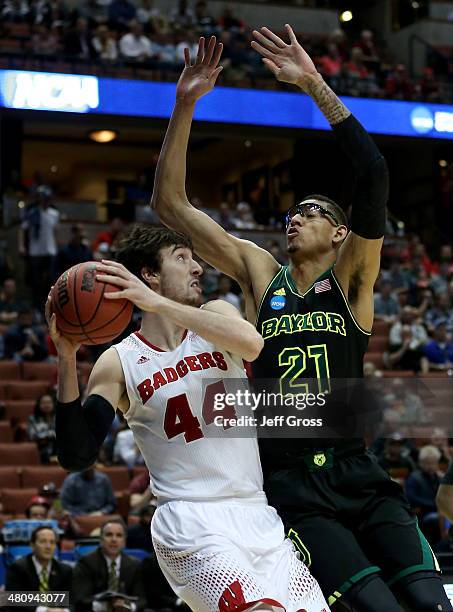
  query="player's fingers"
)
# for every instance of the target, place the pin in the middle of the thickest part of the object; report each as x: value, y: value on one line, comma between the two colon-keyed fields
x: 114, y: 280
x: 108, y: 270
x: 292, y: 36
x: 200, y: 54
x: 111, y: 262
x: 210, y: 51
x: 271, y: 65
x: 276, y: 39
x: 264, y: 40
x: 114, y: 295
x: 117, y: 270
x: 118, y: 267
x: 48, y: 307
x: 215, y: 74
x: 53, y: 325
x: 186, y: 57
x: 262, y: 51
x: 217, y: 55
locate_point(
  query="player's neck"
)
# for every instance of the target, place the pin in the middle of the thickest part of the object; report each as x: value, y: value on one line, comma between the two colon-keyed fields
x: 161, y: 332
x: 304, y: 274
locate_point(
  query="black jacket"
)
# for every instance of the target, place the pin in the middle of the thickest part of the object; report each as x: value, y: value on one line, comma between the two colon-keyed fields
x: 21, y: 576
x: 90, y: 577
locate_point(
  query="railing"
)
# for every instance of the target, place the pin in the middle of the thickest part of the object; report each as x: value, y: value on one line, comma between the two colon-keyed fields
x: 429, y: 49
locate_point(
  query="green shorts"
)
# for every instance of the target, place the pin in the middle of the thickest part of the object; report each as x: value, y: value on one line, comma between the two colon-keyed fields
x: 348, y: 519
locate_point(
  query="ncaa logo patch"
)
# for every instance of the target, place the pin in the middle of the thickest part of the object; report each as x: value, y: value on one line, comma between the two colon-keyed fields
x: 277, y: 302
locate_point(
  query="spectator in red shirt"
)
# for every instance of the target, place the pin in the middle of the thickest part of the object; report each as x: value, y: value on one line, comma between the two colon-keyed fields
x: 338, y: 38
x: 415, y: 253
x: 228, y: 21
x: 356, y: 66
x: 369, y: 50
x: 330, y: 63
x: 109, y: 237
x: 446, y: 258
x: 429, y: 266
x: 398, y: 84
x: 428, y: 87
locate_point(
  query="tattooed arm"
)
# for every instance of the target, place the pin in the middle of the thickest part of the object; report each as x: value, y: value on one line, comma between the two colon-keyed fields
x: 358, y: 258
x: 327, y: 101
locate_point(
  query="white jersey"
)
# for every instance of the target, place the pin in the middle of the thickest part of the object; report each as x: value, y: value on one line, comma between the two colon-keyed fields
x: 171, y: 414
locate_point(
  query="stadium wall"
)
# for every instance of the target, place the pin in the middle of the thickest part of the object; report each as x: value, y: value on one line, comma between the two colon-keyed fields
x: 434, y: 32
x: 316, y: 21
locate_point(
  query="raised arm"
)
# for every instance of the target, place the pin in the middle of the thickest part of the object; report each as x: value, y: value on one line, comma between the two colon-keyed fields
x: 81, y: 429
x: 358, y: 260
x: 227, y: 253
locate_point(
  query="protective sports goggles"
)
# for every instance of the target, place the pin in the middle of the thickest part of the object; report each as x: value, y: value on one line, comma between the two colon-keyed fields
x: 311, y: 210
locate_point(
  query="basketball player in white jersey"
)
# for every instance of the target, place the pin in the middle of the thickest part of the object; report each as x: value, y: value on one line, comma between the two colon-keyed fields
x: 219, y: 544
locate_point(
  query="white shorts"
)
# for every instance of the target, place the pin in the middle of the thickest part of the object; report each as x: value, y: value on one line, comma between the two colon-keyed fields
x: 232, y: 555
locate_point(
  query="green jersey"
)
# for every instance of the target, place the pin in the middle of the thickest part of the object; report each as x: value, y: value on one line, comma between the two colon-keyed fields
x: 308, y: 336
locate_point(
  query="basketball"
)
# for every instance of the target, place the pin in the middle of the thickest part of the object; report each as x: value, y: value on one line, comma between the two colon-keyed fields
x: 82, y: 313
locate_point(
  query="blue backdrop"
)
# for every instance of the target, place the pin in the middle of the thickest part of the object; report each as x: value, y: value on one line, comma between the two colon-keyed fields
x: 88, y: 94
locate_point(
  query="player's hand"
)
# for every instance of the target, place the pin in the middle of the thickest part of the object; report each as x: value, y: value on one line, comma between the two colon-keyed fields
x: 65, y: 346
x: 289, y: 63
x: 132, y: 288
x: 199, y: 76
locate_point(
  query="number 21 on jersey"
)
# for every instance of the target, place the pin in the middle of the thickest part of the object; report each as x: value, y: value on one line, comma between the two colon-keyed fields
x: 296, y: 358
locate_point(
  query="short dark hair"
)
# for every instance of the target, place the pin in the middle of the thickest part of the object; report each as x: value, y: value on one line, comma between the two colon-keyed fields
x: 331, y: 205
x: 142, y: 245
x: 114, y: 521
x: 35, y: 532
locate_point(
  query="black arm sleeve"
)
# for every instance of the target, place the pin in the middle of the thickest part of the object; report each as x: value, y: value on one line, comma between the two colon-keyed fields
x: 81, y: 431
x: 448, y: 477
x: 368, y: 215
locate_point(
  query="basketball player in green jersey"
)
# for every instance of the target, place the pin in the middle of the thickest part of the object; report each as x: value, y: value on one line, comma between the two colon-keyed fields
x: 350, y: 521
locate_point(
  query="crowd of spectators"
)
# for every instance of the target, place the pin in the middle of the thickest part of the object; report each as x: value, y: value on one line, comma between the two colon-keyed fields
x: 106, y: 579
x: 126, y: 34
x: 414, y: 295
x: 413, y: 303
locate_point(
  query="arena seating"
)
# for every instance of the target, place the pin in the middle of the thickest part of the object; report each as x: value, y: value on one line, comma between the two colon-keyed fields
x: 376, y: 358
x: 15, y: 501
x: 119, y: 476
x: 39, y: 371
x: 398, y: 373
x: 19, y: 453
x: 89, y: 523
x: 9, y: 370
x: 38, y: 476
x: 6, y: 433
x: 21, y: 49
x: 9, y: 477
x: 378, y: 344
x: 21, y: 474
x: 18, y: 410
x: 23, y: 390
